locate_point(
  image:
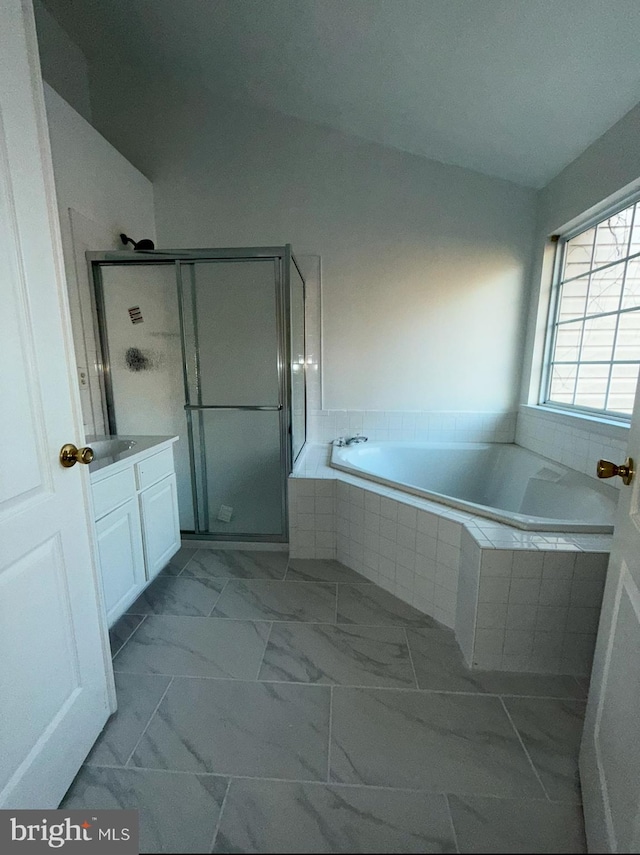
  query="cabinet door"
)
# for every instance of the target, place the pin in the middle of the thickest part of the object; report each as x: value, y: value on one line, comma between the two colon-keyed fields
x: 160, y: 526
x: 121, y: 558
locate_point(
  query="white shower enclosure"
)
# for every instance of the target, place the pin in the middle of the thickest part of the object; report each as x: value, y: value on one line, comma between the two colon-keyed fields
x: 210, y: 345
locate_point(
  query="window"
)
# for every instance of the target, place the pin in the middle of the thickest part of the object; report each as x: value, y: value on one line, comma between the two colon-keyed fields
x: 595, y: 335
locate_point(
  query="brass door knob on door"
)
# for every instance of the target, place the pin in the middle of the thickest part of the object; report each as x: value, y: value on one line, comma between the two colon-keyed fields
x: 70, y: 455
x: 606, y: 469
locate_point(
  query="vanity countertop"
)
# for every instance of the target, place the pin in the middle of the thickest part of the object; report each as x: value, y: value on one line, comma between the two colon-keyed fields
x: 118, y: 452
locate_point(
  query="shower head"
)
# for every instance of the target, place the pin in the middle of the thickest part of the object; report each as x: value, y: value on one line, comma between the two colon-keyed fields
x: 145, y: 243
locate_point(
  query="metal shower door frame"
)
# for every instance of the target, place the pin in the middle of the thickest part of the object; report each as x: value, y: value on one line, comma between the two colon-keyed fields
x: 282, y: 257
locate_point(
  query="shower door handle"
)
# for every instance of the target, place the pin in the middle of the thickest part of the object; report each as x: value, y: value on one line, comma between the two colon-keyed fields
x: 225, y: 407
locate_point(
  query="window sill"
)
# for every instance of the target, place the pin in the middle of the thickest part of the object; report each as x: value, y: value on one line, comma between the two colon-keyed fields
x: 602, y: 425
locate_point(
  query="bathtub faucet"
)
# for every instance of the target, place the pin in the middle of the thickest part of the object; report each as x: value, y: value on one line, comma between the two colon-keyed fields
x: 352, y: 440
x: 341, y: 441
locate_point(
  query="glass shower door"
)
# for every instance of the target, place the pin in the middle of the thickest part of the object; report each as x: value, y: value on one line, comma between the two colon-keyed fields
x: 234, y: 357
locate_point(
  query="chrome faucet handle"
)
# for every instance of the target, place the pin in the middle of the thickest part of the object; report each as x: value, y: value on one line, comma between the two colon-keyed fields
x: 355, y: 439
x: 339, y: 442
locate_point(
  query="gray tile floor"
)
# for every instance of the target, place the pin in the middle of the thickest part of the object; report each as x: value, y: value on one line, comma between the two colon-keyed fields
x: 268, y: 705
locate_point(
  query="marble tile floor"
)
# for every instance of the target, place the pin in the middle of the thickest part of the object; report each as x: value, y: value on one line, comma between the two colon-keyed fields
x: 276, y: 705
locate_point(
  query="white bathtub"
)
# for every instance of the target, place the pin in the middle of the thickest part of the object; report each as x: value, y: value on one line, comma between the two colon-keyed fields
x: 501, y: 481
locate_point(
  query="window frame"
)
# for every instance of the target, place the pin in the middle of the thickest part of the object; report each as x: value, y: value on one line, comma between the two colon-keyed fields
x: 561, y: 240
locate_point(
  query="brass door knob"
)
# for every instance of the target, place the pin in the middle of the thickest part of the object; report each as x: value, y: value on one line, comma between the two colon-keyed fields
x: 606, y: 469
x: 70, y: 455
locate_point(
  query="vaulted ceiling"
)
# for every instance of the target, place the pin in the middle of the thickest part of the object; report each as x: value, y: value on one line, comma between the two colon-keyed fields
x: 512, y: 88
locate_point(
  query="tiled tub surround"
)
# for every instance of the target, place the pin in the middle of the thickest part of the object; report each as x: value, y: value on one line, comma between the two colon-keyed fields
x: 416, y: 426
x: 573, y: 441
x: 432, y: 557
x: 275, y: 725
x: 529, y: 610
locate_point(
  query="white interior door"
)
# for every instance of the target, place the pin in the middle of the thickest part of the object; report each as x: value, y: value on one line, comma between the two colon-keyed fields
x: 610, y: 754
x: 54, y: 672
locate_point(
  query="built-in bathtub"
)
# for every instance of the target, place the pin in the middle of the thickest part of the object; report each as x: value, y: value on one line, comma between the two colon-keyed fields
x: 518, y: 600
x: 503, y: 482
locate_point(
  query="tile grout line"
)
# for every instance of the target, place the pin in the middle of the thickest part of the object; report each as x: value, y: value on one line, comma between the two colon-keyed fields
x: 129, y: 637
x: 222, y: 590
x: 451, y: 822
x: 151, y: 717
x: 312, y: 622
x: 195, y: 552
x: 261, y: 579
x: 264, y: 653
x: 581, y: 687
x: 219, y: 822
x: 524, y: 748
x: 306, y: 622
x: 373, y: 687
x: 413, y: 667
x: 265, y: 579
x: 337, y: 784
x: 330, y: 730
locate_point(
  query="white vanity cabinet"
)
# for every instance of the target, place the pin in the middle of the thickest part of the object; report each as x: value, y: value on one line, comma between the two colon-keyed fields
x: 136, y: 518
x: 121, y: 557
x: 158, y: 498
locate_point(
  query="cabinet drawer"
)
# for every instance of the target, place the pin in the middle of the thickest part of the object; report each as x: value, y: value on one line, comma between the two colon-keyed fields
x: 153, y: 468
x: 113, y: 491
